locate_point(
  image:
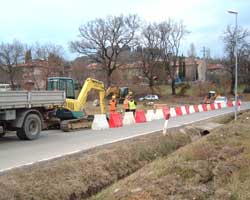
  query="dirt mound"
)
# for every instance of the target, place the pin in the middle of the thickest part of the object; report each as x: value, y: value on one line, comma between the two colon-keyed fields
x: 214, y: 167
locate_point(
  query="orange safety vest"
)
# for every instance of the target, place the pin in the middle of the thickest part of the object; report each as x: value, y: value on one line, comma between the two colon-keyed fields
x: 112, y: 105
x: 125, y: 104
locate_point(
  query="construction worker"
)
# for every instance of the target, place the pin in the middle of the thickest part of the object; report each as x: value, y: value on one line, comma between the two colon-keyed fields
x: 126, y: 104
x: 112, y: 104
x: 132, y: 105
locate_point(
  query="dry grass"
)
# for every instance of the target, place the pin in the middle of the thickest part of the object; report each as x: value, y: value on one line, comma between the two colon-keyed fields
x: 214, y: 167
x: 81, y: 175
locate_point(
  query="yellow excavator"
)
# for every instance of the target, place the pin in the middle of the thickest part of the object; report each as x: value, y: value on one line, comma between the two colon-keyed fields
x: 72, y: 115
x: 119, y: 92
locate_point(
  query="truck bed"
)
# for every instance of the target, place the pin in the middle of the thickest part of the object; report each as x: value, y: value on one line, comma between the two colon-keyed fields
x: 25, y: 99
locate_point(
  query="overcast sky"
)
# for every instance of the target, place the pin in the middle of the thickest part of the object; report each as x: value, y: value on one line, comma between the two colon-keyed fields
x: 57, y: 21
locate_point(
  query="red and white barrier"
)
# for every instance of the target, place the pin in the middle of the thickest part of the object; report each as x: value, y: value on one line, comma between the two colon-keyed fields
x: 115, y: 120
x: 212, y: 106
x: 191, y: 109
x: 166, y: 112
x: 128, y: 118
x: 178, y: 111
x: 200, y: 108
x: 230, y: 104
x: 196, y: 108
x: 187, y: 109
x: 150, y: 115
x: 183, y: 110
x: 159, y: 114
x: 100, y: 122
x: 173, y: 112
x: 209, y: 107
x: 216, y: 106
x: 140, y: 116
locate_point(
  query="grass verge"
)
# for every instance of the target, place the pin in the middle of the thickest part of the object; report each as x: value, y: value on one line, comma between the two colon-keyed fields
x: 83, y: 174
x: 214, y: 167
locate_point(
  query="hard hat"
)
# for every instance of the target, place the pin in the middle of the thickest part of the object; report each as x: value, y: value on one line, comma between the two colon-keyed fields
x: 130, y: 93
x: 113, y: 97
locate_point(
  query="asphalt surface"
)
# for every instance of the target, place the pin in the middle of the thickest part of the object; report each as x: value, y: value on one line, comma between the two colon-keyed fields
x: 54, y: 143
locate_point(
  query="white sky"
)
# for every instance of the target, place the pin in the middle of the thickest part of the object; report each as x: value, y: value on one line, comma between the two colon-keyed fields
x: 57, y: 21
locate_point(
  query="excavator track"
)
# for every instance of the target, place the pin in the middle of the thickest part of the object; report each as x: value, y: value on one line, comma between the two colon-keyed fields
x: 74, y: 124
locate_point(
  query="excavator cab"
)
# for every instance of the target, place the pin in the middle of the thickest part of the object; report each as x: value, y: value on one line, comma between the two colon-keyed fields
x: 62, y: 83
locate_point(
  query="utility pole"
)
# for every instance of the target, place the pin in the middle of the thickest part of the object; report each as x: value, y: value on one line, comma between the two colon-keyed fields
x: 236, y: 64
x: 204, y: 52
x: 204, y: 61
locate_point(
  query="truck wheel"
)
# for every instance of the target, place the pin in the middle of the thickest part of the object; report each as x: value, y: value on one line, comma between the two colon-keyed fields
x: 31, y: 128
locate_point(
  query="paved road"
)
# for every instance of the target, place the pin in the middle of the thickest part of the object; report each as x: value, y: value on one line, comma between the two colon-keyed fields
x: 54, y: 143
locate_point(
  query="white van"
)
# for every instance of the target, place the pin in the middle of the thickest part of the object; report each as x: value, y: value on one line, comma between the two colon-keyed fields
x: 4, y: 87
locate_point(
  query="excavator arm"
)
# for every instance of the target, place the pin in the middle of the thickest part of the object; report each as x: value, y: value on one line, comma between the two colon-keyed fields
x: 79, y: 103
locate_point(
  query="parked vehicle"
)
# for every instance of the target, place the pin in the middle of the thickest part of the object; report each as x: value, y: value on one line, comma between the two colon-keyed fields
x: 150, y: 97
x: 221, y: 99
x: 4, y: 87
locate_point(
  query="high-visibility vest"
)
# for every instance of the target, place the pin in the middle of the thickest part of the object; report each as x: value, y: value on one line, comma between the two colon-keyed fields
x: 132, y: 105
x: 112, y: 105
x: 125, y: 104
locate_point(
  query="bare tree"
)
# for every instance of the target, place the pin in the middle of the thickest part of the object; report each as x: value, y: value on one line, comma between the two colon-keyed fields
x: 42, y: 51
x: 11, y: 54
x: 178, y: 32
x: 80, y: 71
x: 152, y: 50
x: 229, y: 38
x: 51, y: 57
x: 104, y: 40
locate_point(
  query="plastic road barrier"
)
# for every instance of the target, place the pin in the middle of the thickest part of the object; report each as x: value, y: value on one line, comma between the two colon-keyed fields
x: 140, y: 116
x: 150, y: 115
x: 100, y: 122
x: 128, y: 118
x: 115, y: 120
x: 173, y: 112
x: 159, y: 114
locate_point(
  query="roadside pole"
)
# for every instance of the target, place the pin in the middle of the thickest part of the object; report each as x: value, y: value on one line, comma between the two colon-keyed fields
x: 167, y: 116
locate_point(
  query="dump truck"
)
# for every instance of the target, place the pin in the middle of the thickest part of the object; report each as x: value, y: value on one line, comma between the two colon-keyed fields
x: 28, y: 112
